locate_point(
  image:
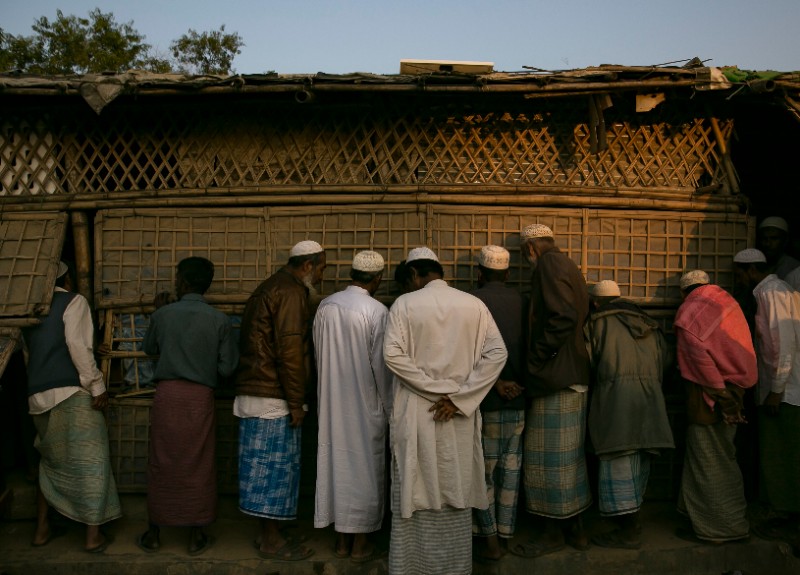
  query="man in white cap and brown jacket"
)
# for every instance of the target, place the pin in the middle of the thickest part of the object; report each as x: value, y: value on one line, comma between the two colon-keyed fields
x: 555, y: 475
x: 503, y: 408
x: 354, y: 398
x: 717, y: 363
x: 628, y: 421
x: 446, y: 352
x: 271, y: 380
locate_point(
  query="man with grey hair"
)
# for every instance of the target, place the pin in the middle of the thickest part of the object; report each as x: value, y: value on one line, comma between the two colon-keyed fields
x: 555, y: 475
x: 503, y: 408
x: 628, y: 421
x: 446, y: 352
x: 274, y: 370
x: 777, y: 343
x: 354, y: 402
x: 717, y: 363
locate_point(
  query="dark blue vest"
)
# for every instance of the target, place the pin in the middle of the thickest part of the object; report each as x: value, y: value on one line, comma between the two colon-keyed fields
x: 49, y: 363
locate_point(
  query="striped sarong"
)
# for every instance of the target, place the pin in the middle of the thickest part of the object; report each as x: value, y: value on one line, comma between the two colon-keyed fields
x: 430, y: 542
x: 75, y: 468
x: 779, y: 449
x: 712, y: 492
x: 502, y: 454
x: 269, y: 467
x: 555, y: 478
x: 182, y: 469
x: 622, y: 482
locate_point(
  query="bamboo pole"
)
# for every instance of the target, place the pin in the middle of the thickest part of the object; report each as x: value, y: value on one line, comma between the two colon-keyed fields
x: 83, y: 255
x: 727, y: 163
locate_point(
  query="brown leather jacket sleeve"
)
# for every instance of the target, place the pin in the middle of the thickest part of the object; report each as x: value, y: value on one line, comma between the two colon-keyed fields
x: 290, y: 321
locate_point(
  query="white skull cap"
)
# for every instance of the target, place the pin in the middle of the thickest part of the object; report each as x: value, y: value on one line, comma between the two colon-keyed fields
x: 494, y: 257
x: 536, y: 231
x: 694, y: 277
x: 750, y: 256
x: 774, y: 222
x: 605, y: 288
x: 368, y: 261
x: 305, y: 248
x: 422, y: 253
x: 62, y: 269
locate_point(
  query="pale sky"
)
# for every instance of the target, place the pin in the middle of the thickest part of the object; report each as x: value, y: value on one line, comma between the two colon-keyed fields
x: 341, y: 36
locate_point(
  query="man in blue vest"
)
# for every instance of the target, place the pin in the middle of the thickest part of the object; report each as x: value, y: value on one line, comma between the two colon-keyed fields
x: 67, y: 396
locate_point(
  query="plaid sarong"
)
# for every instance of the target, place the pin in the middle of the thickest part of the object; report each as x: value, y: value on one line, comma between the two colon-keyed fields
x: 712, y: 492
x: 555, y: 478
x: 269, y: 467
x: 75, y: 469
x: 431, y: 541
x: 779, y: 447
x: 502, y: 454
x: 622, y: 482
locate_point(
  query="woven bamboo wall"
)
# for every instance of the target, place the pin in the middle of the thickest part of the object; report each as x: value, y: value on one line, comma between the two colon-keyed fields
x: 384, y: 142
x: 30, y: 248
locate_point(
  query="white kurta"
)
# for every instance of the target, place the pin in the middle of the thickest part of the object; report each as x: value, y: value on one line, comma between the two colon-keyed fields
x: 354, y: 402
x: 440, y: 341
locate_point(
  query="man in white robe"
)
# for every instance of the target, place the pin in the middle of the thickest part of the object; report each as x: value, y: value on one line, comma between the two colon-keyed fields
x: 446, y: 353
x: 353, y: 388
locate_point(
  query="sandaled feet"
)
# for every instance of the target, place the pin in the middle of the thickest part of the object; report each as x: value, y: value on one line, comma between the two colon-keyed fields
x: 288, y: 552
x: 616, y: 539
x: 200, y: 544
x: 53, y: 532
x: 486, y: 558
x: 373, y: 554
x: 536, y: 548
x: 148, y: 542
x: 102, y: 546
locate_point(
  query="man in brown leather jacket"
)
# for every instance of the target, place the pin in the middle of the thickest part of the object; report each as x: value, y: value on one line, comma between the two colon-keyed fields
x: 271, y: 381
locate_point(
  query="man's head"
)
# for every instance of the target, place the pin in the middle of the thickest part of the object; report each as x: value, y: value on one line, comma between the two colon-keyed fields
x: 194, y: 275
x: 773, y: 236
x: 692, y: 280
x: 423, y: 266
x: 750, y: 267
x: 603, y: 292
x: 535, y: 240
x: 402, y: 277
x: 367, y: 270
x: 493, y: 264
x: 63, y: 279
x: 307, y: 262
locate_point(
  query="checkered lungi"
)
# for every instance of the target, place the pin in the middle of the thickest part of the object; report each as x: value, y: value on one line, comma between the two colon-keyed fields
x: 555, y: 477
x: 622, y: 482
x: 269, y: 467
x: 502, y: 454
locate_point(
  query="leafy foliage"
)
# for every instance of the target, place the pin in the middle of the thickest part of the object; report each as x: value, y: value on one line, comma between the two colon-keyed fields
x: 207, y: 53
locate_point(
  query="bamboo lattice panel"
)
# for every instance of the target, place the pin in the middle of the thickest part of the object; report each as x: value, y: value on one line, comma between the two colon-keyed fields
x: 385, y: 142
x: 137, y: 250
x: 30, y: 249
x: 645, y: 252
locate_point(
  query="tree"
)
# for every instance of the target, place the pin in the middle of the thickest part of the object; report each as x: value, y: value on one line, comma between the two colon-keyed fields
x: 207, y: 53
x: 73, y: 45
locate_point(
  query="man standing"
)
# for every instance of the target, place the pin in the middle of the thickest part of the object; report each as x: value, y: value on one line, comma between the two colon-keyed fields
x: 445, y: 352
x: 773, y: 240
x: 717, y: 363
x: 555, y: 477
x: 67, y: 396
x: 503, y: 408
x: 354, y: 395
x: 777, y: 339
x: 274, y: 370
x: 194, y: 344
x: 627, y: 416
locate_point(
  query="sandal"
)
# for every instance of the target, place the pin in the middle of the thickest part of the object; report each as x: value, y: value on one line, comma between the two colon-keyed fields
x: 538, y: 548
x: 288, y: 552
x: 614, y: 539
x: 374, y: 554
x: 207, y: 542
x: 151, y: 548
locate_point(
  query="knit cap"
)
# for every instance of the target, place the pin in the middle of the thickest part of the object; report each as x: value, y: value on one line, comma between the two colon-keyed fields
x: 750, y: 256
x: 774, y: 222
x: 368, y: 261
x: 536, y: 231
x: 494, y: 257
x: 422, y: 253
x: 694, y: 277
x: 305, y: 248
x: 605, y: 288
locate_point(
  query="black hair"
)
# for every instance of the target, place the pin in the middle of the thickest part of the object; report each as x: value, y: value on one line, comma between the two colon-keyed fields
x: 490, y: 275
x: 424, y: 267
x: 362, y: 277
x: 197, y: 272
x: 296, y: 262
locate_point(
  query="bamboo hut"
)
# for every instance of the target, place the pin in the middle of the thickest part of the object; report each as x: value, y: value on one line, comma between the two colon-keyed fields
x: 642, y: 173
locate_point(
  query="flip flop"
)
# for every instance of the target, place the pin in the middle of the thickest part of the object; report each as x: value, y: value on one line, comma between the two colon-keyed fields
x: 102, y: 547
x: 688, y: 535
x: 374, y: 554
x: 287, y: 553
x: 291, y: 539
x: 533, y: 549
x: 208, y: 541
x: 146, y: 548
x: 615, y: 540
x: 55, y: 531
x: 340, y: 554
